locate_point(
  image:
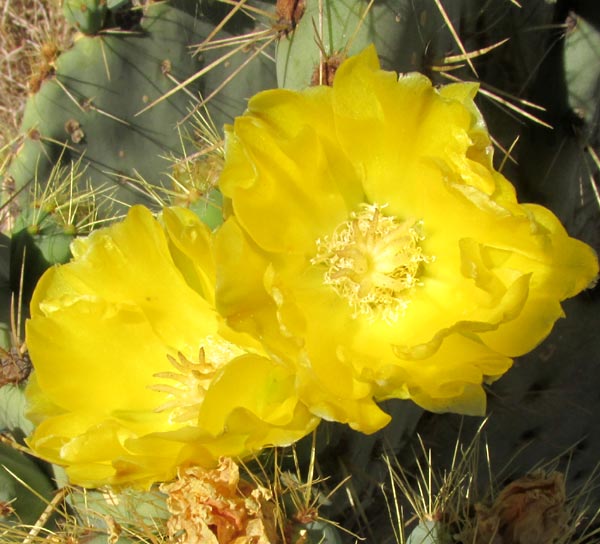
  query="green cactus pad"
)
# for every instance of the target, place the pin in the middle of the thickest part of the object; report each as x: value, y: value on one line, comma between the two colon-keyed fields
x: 5, y: 292
x: 87, y: 15
x: 429, y: 532
x: 317, y: 532
x: 298, y: 54
x: 89, y: 108
x: 12, y: 410
x: 210, y: 208
x: 23, y: 485
x: 93, y: 108
x: 407, y: 37
x: 582, y: 68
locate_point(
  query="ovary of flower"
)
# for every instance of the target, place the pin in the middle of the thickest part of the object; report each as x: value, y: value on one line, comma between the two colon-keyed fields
x: 373, y: 261
x: 192, y: 379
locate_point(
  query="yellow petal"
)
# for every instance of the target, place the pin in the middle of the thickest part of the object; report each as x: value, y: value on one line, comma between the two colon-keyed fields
x: 191, y: 249
x: 286, y: 182
x: 263, y: 388
x: 97, y: 357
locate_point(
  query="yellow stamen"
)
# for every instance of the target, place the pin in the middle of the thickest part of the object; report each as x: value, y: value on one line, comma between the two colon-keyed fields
x: 192, y: 378
x: 373, y: 261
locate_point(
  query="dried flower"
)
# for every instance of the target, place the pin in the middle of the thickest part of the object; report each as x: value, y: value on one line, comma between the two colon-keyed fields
x: 216, y: 507
x: 530, y: 510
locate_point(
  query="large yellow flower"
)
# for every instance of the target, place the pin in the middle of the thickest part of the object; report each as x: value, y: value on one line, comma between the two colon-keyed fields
x: 135, y: 372
x: 379, y: 247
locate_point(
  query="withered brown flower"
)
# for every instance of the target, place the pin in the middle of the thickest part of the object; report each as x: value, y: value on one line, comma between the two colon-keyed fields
x: 530, y: 510
x: 217, y: 507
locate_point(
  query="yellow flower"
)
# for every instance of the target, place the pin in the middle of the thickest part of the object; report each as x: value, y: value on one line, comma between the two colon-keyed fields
x: 380, y: 248
x: 135, y: 372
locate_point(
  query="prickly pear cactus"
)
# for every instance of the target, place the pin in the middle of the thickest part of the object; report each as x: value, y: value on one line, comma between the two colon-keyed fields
x: 85, y: 142
x: 408, y: 36
x: 113, y: 103
x: 547, y: 405
x: 119, y: 107
x: 88, y: 107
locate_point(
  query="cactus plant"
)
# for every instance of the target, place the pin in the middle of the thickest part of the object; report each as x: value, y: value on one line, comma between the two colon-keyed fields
x: 91, y: 107
x: 87, y: 108
x: 83, y: 124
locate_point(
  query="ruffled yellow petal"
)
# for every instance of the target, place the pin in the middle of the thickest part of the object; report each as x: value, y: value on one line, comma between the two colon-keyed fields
x: 190, y: 247
x: 78, y: 351
x: 359, y: 412
x: 265, y: 392
x: 240, y: 291
x: 128, y: 266
x: 286, y: 183
x: 450, y: 379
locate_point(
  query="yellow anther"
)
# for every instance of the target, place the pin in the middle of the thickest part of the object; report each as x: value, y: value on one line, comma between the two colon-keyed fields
x: 190, y: 379
x: 373, y: 261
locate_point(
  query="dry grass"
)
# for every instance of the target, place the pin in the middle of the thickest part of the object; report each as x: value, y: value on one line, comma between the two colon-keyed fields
x: 26, y: 28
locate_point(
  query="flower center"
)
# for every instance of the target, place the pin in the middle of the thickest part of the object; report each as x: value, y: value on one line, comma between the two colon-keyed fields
x: 191, y: 379
x: 373, y: 261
